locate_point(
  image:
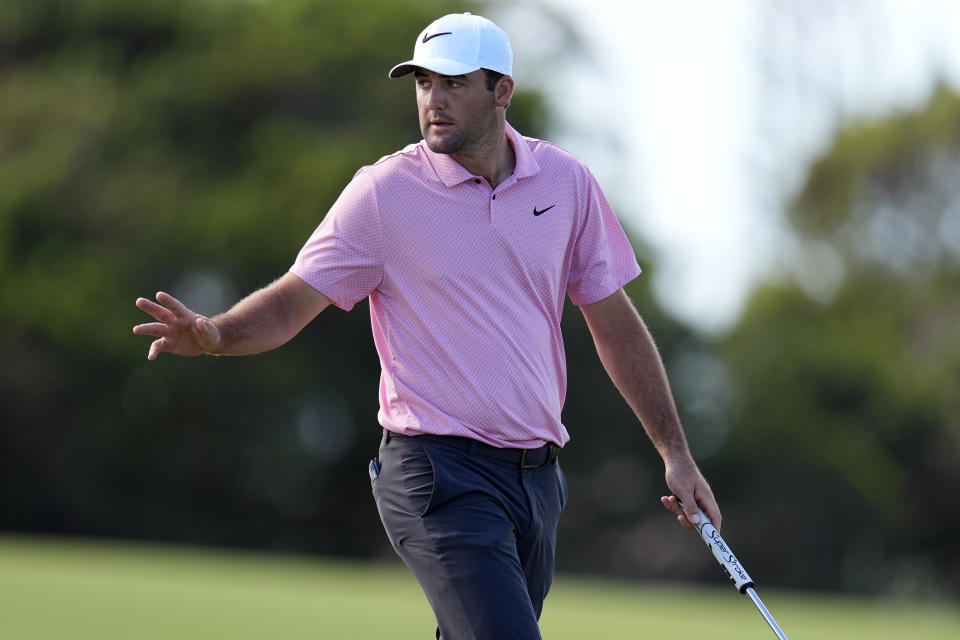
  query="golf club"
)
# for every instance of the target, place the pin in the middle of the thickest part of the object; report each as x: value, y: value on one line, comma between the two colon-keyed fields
x: 738, y: 575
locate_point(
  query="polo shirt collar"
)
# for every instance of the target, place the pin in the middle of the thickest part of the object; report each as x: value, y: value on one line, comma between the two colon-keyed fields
x: 452, y: 173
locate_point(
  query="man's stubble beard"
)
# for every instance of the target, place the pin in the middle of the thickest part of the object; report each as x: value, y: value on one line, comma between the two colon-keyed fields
x: 451, y: 145
x: 469, y: 138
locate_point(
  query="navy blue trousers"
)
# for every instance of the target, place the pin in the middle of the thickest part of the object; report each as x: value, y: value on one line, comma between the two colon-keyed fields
x: 479, y: 534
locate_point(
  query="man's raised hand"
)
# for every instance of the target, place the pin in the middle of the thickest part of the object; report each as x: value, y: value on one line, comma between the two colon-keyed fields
x: 178, y: 329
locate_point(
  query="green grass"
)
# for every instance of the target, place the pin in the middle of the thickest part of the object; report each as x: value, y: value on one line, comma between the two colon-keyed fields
x: 54, y: 588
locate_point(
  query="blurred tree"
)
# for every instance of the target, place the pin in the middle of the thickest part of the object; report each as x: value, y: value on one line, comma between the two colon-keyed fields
x: 847, y: 431
x: 194, y: 146
x: 191, y: 146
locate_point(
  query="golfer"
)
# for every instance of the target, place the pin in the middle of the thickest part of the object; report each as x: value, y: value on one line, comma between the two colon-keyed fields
x: 467, y: 244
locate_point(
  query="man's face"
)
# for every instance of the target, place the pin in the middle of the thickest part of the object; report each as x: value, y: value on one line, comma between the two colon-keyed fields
x: 458, y: 114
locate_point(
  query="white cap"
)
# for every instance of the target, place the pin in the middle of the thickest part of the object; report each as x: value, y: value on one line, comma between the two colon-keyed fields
x: 457, y: 44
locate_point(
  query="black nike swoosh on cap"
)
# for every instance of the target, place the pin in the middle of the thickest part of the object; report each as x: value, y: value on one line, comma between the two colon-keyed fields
x: 537, y: 212
x: 430, y: 37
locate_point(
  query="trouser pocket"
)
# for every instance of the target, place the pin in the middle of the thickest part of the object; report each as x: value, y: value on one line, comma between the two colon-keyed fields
x: 405, y: 478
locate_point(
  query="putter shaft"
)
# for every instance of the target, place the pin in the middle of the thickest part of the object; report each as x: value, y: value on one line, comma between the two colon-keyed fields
x: 766, y: 614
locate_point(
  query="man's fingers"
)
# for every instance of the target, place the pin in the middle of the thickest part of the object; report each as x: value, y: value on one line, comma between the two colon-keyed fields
x: 155, y: 348
x: 715, y: 518
x: 207, y: 334
x: 178, y: 330
x: 159, y: 312
x: 672, y: 504
x: 204, y: 326
x: 170, y: 302
x: 691, y: 510
x: 675, y: 505
x: 709, y: 505
x: 155, y: 329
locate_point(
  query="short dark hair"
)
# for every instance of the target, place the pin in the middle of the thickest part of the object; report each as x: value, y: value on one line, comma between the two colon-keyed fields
x: 493, y: 77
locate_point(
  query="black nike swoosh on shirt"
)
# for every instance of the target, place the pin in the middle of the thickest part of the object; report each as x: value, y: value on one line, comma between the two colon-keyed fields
x: 537, y: 212
x: 430, y: 37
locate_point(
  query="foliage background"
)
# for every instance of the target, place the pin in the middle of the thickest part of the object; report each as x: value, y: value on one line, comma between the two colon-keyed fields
x: 193, y: 146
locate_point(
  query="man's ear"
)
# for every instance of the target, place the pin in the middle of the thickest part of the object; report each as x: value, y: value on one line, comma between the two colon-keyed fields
x: 503, y: 91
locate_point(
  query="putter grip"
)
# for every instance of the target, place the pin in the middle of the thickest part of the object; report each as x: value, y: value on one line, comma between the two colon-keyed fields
x: 721, y: 551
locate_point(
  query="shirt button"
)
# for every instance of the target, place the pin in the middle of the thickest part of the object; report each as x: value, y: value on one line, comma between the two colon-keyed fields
x: 477, y: 180
x: 494, y: 196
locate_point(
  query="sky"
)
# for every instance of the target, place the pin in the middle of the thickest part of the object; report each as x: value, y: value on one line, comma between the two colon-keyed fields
x: 699, y: 117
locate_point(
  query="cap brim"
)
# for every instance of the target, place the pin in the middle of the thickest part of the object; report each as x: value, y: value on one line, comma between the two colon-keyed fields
x: 437, y: 65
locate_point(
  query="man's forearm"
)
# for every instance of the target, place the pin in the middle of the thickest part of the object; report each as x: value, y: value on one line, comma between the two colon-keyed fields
x: 631, y: 359
x: 253, y: 325
x: 630, y: 356
x: 268, y: 317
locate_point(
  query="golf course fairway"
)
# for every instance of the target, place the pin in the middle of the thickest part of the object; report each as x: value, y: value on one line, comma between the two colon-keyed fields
x: 53, y: 588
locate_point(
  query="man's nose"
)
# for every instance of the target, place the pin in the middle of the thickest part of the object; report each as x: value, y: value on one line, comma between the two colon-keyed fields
x: 436, y: 97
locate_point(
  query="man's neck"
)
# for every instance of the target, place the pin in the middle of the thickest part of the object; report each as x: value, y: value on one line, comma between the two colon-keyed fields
x: 494, y: 162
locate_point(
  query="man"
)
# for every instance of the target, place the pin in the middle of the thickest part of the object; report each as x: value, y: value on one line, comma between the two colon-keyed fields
x: 467, y: 244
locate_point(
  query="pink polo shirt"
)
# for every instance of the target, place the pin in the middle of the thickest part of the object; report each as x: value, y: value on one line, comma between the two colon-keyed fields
x: 467, y: 285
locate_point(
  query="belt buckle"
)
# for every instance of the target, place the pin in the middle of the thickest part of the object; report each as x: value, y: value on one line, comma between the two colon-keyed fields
x: 523, y: 461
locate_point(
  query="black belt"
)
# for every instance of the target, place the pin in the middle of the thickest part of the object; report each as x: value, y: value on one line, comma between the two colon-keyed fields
x: 523, y: 458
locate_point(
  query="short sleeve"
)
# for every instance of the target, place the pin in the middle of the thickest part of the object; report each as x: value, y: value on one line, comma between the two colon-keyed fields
x: 603, y: 260
x: 343, y: 258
